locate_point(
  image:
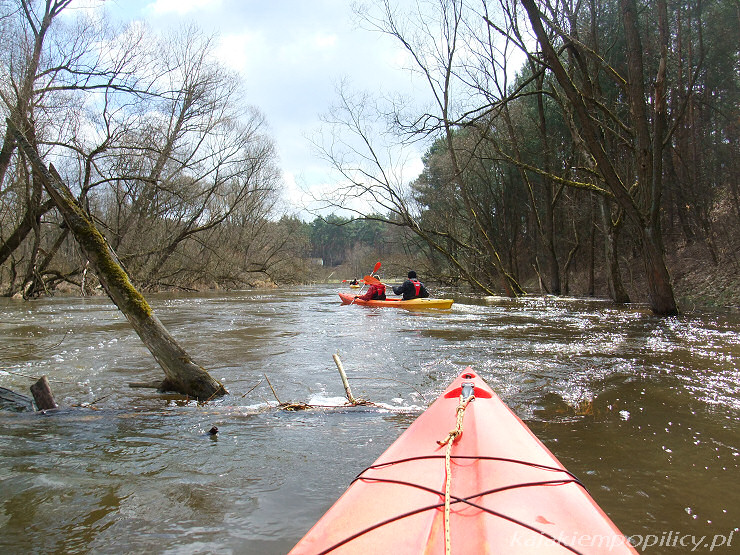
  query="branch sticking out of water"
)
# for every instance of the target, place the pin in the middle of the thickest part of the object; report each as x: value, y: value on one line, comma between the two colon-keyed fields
x: 273, y: 389
x: 253, y: 388
x: 345, y: 382
x: 299, y: 405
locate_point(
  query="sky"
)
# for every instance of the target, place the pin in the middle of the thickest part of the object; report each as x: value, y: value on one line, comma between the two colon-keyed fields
x: 291, y: 55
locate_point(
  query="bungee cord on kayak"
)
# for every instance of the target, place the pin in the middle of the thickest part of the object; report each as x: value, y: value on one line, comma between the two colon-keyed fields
x: 449, y: 498
x: 509, y: 493
x: 475, y: 458
x: 465, y: 500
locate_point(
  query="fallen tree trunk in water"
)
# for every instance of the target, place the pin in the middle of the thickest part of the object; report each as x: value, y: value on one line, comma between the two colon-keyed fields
x: 181, y: 373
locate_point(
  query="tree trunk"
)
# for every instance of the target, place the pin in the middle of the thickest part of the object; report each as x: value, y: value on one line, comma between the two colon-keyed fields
x: 613, y: 276
x: 181, y: 373
x: 40, y: 284
x: 591, y: 249
x: 6, y: 152
x: 570, y: 259
x: 42, y: 394
x: 553, y: 267
x: 26, y: 225
x: 648, y: 153
x: 660, y: 291
x: 12, y: 401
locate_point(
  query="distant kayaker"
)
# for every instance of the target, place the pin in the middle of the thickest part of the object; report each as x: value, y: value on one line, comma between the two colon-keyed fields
x: 353, y: 282
x: 412, y: 288
x: 376, y: 292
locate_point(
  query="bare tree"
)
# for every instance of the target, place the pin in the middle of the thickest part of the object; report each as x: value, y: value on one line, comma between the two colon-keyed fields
x: 152, y: 131
x: 181, y: 373
x: 436, y: 62
x: 47, y: 65
x: 198, y: 154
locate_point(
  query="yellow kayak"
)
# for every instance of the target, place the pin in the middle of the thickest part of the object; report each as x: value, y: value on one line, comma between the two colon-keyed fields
x: 411, y: 304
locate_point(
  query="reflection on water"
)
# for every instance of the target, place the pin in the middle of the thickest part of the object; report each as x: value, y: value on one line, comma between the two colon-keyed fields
x: 643, y: 409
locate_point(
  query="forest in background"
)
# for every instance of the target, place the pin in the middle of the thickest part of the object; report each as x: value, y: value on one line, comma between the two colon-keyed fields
x: 605, y: 163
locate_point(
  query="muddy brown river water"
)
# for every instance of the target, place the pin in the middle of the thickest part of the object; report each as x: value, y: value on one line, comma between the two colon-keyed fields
x: 644, y: 410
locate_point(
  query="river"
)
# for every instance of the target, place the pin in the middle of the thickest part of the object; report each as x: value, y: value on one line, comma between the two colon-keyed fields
x: 644, y: 410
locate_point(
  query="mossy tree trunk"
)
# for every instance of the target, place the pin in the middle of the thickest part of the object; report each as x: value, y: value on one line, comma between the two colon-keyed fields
x: 181, y: 373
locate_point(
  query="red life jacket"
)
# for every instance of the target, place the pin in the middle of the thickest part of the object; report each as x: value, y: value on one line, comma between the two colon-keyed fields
x: 375, y: 291
x: 417, y: 286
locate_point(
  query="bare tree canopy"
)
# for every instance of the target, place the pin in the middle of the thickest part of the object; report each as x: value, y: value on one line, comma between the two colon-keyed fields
x: 155, y: 138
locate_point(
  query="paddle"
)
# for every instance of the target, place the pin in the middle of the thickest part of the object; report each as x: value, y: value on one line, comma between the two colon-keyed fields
x: 371, y: 280
x: 365, y: 279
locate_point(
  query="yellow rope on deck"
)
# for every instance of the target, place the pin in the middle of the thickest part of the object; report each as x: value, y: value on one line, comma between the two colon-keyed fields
x: 449, y: 440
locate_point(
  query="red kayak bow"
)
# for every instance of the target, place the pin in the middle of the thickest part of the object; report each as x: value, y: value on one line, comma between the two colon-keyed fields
x: 467, y: 477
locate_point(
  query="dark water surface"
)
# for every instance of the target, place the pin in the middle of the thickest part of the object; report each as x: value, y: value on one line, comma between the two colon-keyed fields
x: 644, y: 410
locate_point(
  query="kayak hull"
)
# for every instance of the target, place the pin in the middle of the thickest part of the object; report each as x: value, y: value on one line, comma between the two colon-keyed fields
x: 509, y: 494
x: 411, y: 304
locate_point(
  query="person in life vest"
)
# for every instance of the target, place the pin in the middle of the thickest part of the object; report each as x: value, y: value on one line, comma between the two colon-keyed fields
x: 412, y: 288
x: 376, y: 292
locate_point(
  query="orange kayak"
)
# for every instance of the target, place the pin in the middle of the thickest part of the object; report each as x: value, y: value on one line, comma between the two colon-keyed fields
x: 398, y: 303
x: 507, y: 492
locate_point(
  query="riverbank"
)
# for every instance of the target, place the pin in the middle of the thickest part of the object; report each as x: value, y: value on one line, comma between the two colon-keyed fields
x: 703, y: 274
x: 699, y: 282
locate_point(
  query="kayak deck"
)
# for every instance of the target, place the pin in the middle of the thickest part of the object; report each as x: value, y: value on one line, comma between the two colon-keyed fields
x: 508, y: 493
x: 399, y: 303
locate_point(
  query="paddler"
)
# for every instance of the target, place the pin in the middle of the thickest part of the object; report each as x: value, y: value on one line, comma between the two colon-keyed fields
x: 412, y: 288
x: 376, y: 292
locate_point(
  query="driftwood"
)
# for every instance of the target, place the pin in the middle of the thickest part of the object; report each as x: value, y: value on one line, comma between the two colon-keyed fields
x: 155, y: 384
x: 181, y: 373
x: 12, y: 401
x: 345, y: 382
x: 41, y: 392
x: 300, y: 405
